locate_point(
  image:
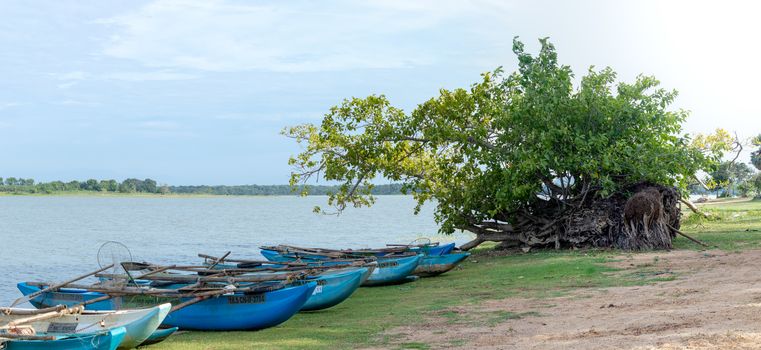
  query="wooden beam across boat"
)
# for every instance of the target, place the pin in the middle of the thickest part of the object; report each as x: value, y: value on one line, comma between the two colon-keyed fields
x: 58, y: 285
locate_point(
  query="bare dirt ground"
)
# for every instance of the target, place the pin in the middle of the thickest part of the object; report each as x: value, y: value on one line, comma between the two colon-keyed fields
x: 714, y: 303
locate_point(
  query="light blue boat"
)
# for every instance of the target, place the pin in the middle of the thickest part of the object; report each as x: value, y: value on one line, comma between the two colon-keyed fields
x: 434, y: 265
x: 393, y: 270
x: 139, y: 323
x: 159, y: 335
x: 237, y: 311
x: 389, y: 270
x: 104, y: 340
x: 333, y: 287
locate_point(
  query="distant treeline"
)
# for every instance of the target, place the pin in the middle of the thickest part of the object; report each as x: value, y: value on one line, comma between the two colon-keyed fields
x: 30, y: 186
x: 20, y: 185
x: 274, y: 190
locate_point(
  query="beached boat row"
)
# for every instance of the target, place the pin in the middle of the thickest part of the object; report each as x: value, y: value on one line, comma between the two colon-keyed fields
x: 134, y: 304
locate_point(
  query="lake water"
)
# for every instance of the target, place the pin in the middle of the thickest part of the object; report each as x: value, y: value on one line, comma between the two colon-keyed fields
x: 57, y: 237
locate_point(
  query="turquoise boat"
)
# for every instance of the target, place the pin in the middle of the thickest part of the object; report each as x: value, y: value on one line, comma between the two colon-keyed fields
x: 236, y: 311
x: 333, y: 287
x: 159, y: 335
x: 434, y: 265
x: 393, y: 270
x: 103, y: 340
x: 139, y: 324
x: 389, y: 270
x: 430, y: 250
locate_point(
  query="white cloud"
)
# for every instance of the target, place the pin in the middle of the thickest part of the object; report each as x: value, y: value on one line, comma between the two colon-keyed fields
x: 217, y: 35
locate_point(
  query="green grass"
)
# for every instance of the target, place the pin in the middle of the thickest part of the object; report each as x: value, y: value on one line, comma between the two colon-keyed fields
x: 364, y: 319
x: 732, y: 226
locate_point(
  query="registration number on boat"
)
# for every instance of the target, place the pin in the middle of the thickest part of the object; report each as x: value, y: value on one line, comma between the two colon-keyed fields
x: 69, y: 297
x: 62, y: 327
x: 246, y: 299
x: 388, y: 264
x: 317, y: 290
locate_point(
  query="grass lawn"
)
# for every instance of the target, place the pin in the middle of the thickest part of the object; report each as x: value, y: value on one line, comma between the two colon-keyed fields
x: 362, y: 319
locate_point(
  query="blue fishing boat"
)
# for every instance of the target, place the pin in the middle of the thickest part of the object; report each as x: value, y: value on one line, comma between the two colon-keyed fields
x: 333, y: 287
x: 433, y: 250
x: 433, y: 265
x: 389, y: 270
x: 159, y: 335
x: 103, y: 340
x: 393, y: 270
x: 234, y: 311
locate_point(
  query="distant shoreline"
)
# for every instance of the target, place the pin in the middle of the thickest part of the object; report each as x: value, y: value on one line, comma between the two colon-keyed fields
x: 132, y: 186
x: 158, y: 195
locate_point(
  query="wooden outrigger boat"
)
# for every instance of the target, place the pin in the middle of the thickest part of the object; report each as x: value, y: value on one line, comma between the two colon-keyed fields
x: 159, y: 335
x: 335, y: 283
x: 102, y: 340
x: 434, y: 265
x: 212, y: 302
x: 436, y: 259
x: 139, y: 324
x: 391, y: 269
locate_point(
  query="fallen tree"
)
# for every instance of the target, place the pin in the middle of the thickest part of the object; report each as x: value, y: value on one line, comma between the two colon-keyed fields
x: 525, y: 159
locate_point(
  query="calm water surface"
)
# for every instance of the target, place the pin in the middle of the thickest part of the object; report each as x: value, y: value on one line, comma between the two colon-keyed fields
x: 53, y: 238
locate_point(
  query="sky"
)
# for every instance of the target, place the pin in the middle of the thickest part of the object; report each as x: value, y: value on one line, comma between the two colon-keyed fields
x: 196, y: 92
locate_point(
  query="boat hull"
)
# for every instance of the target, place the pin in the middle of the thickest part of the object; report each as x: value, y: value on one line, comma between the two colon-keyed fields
x: 434, y: 265
x: 435, y: 250
x: 104, y: 340
x: 223, y: 313
x: 159, y: 335
x: 391, y: 270
x: 333, y: 287
x: 139, y: 324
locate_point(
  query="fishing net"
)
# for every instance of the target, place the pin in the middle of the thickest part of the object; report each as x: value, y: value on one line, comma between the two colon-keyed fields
x: 116, y: 253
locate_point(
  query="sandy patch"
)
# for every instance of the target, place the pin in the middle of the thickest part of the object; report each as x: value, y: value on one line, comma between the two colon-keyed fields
x: 715, y: 303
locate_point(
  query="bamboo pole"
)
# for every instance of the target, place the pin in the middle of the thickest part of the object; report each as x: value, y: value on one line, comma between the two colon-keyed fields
x: 24, y: 312
x: 216, y: 262
x: 41, y: 317
x: 57, y: 286
x: 206, y: 256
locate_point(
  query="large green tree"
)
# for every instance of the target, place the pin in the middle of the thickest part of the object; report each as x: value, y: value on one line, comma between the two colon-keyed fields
x: 728, y: 174
x: 755, y: 156
x: 518, y: 158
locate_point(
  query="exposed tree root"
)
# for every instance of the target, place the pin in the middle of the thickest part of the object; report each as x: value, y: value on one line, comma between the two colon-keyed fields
x: 644, y: 216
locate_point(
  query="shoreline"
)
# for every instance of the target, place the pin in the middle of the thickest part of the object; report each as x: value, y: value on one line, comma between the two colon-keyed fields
x: 158, y: 195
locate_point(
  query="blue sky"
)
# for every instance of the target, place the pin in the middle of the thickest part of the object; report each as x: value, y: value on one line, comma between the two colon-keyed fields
x: 195, y: 92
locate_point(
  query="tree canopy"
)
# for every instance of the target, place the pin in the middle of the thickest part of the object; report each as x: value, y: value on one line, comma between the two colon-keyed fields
x: 506, y: 146
x: 755, y: 156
